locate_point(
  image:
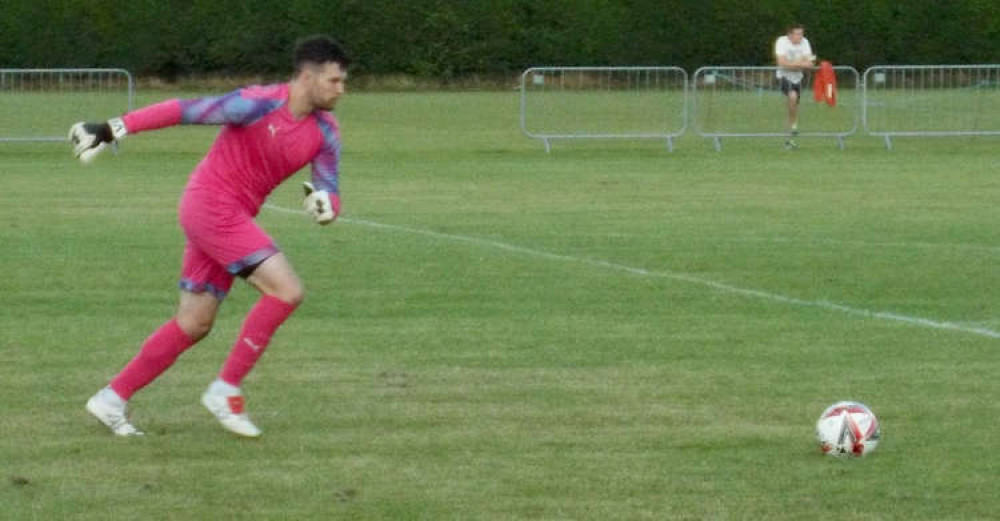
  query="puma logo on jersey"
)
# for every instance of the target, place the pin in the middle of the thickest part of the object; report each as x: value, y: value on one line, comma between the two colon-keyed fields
x: 272, y: 129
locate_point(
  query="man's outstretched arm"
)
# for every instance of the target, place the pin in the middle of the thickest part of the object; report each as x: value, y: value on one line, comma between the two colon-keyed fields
x: 89, y: 139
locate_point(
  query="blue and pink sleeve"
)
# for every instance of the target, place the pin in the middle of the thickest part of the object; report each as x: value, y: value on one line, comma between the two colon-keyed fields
x: 326, y: 165
x: 233, y: 108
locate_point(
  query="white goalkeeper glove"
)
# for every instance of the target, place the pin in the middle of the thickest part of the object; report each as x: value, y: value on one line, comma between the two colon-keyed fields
x: 89, y: 139
x: 318, y: 204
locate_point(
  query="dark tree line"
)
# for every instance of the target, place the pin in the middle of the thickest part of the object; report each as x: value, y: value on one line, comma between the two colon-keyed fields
x: 447, y: 39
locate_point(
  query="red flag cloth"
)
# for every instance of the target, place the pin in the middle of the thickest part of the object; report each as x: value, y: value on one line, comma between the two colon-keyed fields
x: 825, y: 84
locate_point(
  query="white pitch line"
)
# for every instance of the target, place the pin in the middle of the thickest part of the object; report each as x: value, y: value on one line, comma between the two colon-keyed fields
x: 276, y: 208
x: 725, y: 288
x: 866, y: 244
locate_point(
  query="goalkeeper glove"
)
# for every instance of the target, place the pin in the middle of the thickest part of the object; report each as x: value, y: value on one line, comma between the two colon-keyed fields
x: 318, y: 204
x: 89, y: 139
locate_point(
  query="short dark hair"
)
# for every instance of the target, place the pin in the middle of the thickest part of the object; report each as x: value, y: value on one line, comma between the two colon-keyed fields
x: 794, y: 26
x: 320, y: 49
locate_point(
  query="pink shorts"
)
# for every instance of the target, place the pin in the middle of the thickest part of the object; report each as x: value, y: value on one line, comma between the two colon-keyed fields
x: 223, y: 241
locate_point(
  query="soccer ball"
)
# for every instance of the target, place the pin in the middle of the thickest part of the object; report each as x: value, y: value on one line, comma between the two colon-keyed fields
x: 848, y: 429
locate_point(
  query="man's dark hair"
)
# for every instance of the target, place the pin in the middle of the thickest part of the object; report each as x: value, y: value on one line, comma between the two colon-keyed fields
x: 320, y: 49
x: 795, y: 26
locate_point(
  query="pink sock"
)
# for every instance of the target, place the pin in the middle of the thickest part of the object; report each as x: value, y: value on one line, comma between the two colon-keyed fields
x: 258, y: 328
x: 158, y: 352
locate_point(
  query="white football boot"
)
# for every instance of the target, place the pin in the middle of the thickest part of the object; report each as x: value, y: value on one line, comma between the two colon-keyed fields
x: 109, y: 409
x: 226, y: 403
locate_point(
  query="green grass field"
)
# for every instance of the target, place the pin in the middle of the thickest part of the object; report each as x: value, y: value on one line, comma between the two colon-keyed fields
x: 609, y: 331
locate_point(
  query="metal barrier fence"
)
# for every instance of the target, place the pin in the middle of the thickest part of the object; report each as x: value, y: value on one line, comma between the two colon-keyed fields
x: 604, y: 103
x: 931, y: 100
x: 614, y: 102
x: 747, y: 102
x: 41, y: 104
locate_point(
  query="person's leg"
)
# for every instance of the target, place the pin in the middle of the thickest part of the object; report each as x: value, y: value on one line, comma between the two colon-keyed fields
x: 193, y: 320
x: 791, y: 92
x: 247, y: 251
x: 281, y: 292
x: 195, y: 316
x: 204, y: 284
x: 793, y: 109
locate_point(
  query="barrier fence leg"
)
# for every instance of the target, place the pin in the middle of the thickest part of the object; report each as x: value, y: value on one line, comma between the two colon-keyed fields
x: 888, y: 143
x: 718, y: 143
x: 670, y: 144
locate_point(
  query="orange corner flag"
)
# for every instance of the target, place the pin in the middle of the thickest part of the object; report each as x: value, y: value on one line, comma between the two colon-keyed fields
x: 825, y: 84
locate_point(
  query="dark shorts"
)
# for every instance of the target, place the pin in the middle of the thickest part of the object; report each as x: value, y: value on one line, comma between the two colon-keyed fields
x: 787, y: 86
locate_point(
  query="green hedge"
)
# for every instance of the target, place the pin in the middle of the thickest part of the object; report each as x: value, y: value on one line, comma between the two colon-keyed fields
x: 445, y: 39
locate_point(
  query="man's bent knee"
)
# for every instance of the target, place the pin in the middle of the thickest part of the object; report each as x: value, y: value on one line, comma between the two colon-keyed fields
x: 196, y: 314
x: 292, y: 294
x: 275, y: 277
x: 195, y: 326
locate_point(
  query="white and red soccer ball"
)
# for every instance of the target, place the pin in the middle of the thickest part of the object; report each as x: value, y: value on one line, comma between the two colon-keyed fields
x: 848, y: 429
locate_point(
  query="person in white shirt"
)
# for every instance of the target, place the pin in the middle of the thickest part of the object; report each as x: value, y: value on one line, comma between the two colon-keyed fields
x: 793, y: 55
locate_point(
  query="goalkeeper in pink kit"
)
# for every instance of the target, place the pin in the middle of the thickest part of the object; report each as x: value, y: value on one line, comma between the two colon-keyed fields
x: 268, y: 133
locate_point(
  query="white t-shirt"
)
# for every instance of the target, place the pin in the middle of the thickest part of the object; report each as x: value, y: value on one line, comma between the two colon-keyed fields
x: 791, y: 52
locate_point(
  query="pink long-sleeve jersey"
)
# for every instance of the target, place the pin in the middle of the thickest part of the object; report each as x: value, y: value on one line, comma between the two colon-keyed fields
x: 261, y: 143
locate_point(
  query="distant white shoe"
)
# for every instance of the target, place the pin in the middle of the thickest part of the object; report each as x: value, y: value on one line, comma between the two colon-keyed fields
x: 110, y: 410
x: 228, y: 409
